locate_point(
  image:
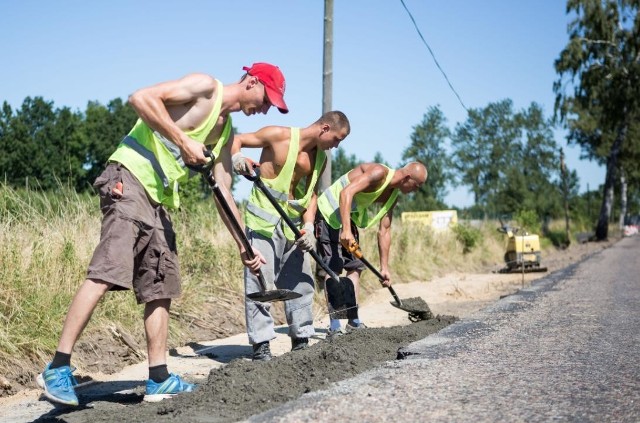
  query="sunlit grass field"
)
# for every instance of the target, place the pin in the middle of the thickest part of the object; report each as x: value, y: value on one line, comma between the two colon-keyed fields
x: 47, y: 240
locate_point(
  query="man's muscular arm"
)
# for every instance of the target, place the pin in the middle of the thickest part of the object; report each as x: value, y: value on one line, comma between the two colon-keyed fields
x: 222, y: 175
x: 384, y: 245
x: 151, y: 105
x: 263, y: 138
x: 367, y: 181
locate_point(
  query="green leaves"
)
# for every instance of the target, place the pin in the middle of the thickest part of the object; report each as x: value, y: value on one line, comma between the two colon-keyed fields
x: 45, y: 147
x: 508, y: 158
x: 598, y: 89
x: 428, y: 146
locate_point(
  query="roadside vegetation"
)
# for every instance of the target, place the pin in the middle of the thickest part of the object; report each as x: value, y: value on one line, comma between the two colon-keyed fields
x: 47, y: 239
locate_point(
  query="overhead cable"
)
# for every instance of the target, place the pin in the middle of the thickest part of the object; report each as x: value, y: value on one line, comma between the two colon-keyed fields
x: 433, y: 56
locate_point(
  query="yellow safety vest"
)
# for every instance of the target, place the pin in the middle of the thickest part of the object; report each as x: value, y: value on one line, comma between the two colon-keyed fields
x: 260, y: 214
x: 329, y: 203
x: 156, y: 162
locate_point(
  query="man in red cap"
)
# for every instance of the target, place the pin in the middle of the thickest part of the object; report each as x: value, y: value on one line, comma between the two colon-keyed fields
x: 177, y: 120
x: 273, y: 81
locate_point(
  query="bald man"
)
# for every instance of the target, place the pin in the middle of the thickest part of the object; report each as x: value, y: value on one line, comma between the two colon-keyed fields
x: 347, y: 200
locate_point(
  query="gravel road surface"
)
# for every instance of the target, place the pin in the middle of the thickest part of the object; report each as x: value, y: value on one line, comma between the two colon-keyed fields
x: 565, y: 349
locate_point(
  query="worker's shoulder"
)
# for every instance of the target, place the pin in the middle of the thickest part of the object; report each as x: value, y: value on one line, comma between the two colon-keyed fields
x: 375, y: 170
x: 201, y: 80
x: 276, y: 133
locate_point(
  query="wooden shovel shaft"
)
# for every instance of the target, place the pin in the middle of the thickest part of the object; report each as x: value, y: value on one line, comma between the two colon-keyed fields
x: 258, y: 182
x: 234, y: 222
x: 380, y: 278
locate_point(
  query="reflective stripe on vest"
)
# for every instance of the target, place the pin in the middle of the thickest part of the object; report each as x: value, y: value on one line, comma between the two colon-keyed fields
x: 329, y: 204
x: 268, y: 217
x: 147, y: 154
x: 333, y: 201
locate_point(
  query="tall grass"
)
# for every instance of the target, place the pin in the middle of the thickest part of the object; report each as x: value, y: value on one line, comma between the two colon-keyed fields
x: 47, y: 240
x: 420, y: 253
x: 45, y: 243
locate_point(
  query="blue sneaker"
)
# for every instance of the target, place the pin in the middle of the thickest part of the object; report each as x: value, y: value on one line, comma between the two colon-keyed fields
x: 167, y: 389
x: 58, y: 384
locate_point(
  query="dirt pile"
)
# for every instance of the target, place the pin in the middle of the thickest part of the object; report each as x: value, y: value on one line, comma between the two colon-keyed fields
x: 244, y: 388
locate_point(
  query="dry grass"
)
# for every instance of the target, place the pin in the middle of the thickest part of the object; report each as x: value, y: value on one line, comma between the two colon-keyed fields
x: 46, y: 242
x: 419, y: 253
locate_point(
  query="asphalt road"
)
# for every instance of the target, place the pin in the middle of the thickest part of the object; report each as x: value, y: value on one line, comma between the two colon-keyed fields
x: 566, y: 349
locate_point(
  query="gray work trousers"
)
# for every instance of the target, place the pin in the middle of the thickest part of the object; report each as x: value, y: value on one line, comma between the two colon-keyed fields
x: 288, y: 268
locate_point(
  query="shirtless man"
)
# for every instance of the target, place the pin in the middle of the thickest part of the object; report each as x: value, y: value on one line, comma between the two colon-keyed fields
x: 347, y: 200
x: 137, y: 248
x: 289, y: 155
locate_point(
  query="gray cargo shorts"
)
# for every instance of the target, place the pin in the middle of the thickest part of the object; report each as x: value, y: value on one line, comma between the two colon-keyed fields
x: 137, y: 248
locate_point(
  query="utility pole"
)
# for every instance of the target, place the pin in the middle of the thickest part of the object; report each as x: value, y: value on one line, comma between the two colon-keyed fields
x: 589, y: 203
x: 565, y: 195
x: 327, y: 83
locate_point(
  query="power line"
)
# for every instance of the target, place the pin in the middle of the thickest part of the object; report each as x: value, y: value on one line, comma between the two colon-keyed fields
x: 433, y: 56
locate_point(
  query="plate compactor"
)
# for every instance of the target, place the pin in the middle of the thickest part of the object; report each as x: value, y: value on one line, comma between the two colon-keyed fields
x: 523, y: 251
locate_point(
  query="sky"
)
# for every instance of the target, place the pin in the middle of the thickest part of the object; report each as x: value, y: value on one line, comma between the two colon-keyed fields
x: 384, y: 78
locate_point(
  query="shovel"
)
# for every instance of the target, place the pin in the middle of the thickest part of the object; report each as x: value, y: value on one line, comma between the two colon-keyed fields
x: 416, y: 306
x: 341, y: 295
x: 264, y: 296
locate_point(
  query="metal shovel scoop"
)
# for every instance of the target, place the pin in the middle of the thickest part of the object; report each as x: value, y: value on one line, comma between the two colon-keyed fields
x: 266, y: 295
x: 341, y: 294
x: 417, y: 308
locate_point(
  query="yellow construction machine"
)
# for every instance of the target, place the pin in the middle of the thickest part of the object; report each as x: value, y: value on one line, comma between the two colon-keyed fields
x: 523, y: 251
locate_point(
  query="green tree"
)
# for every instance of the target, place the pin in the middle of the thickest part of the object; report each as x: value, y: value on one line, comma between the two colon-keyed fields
x: 341, y: 163
x: 104, y: 127
x: 509, y: 159
x: 428, y: 146
x: 598, y: 87
x: 67, y: 140
x: 27, y: 144
x: 379, y: 158
x: 483, y: 151
x: 538, y: 163
x: 6, y: 114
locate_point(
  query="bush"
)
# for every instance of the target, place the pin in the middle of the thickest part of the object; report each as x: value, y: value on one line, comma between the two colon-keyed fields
x: 528, y: 220
x: 468, y: 236
x: 558, y: 238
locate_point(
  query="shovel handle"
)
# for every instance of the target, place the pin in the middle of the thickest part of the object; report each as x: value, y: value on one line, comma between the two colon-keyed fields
x: 207, y: 174
x: 204, y: 168
x: 255, y: 178
x: 354, y: 249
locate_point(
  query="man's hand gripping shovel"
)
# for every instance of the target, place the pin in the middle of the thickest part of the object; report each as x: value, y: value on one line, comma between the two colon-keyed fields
x: 416, y: 307
x: 268, y: 294
x: 341, y: 294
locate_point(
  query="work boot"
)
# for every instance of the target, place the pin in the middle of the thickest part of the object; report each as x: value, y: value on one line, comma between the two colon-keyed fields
x: 261, y: 351
x: 299, y: 343
x: 353, y: 326
x: 332, y: 334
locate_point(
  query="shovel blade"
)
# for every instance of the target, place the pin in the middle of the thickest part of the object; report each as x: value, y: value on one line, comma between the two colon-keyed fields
x: 417, y: 308
x: 274, y: 295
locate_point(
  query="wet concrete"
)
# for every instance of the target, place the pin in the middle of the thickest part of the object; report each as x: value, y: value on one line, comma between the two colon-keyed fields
x: 244, y: 388
x: 417, y: 308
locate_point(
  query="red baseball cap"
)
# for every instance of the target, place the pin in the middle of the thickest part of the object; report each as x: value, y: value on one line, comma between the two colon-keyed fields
x: 273, y: 81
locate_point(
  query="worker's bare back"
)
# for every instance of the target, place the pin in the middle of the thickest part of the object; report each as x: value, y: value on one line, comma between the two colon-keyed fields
x: 368, y: 177
x: 190, y: 100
